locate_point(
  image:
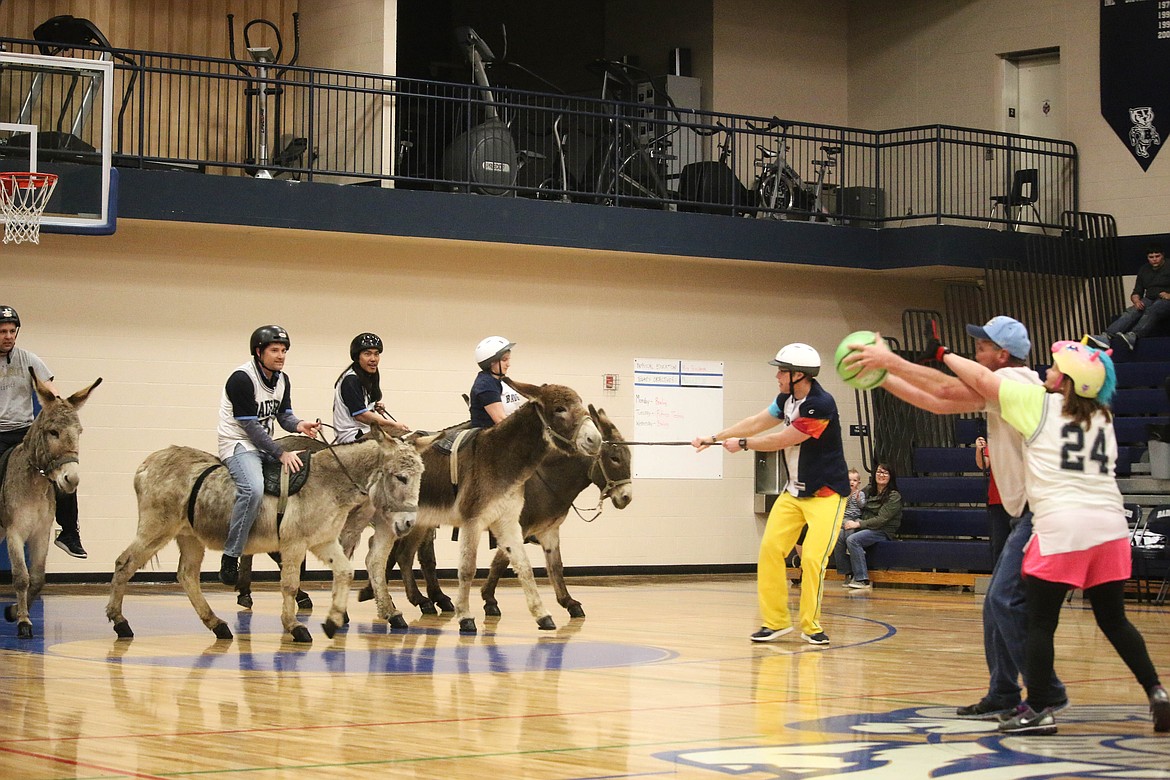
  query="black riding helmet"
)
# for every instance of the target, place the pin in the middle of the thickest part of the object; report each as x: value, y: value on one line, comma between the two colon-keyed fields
x: 8, y: 314
x: 362, y: 342
x: 268, y: 334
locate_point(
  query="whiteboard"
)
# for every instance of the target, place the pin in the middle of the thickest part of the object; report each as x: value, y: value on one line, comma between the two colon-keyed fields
x: 677, y: 400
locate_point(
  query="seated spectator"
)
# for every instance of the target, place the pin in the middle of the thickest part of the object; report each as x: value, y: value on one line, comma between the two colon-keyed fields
x: 880, y: 518
x: 1150, y: 299
x: 856, y: 501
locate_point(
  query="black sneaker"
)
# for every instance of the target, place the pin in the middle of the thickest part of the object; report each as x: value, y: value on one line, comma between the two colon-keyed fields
x: 1130, y: 339
x: 859, y: 584
x: 819, y: 638
x: 985, y: 710
x: 1029, y: 723
x: 229, y: 570
x: 71, y: 543
x: 1160, y: 709
x: 766, y: 634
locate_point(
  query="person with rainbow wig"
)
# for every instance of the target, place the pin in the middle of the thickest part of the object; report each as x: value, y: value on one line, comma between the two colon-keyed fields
x: 1080, y: 535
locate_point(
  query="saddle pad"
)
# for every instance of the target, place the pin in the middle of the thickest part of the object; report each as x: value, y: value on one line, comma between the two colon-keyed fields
x: 447, y: 440
x: 295, y: 479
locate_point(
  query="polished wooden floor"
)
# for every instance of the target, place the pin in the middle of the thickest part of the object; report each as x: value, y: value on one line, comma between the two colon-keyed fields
x: 658, y: 680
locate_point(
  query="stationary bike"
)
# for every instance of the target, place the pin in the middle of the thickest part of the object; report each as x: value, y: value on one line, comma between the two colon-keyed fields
x: 779, y: 189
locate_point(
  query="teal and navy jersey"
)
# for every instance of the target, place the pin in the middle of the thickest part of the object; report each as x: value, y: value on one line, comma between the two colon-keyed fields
x: 816, y: 466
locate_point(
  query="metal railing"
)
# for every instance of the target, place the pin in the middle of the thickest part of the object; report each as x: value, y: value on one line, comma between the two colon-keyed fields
x: 347, y: 127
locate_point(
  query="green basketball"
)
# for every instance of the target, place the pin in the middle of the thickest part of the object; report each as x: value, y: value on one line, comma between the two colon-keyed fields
x: 853, y: 376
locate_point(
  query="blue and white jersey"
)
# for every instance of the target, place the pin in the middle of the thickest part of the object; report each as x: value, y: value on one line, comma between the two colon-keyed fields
x: 488, y: 390
x: 349, y: 400
x: 816, y: 466
x: 248, y: 396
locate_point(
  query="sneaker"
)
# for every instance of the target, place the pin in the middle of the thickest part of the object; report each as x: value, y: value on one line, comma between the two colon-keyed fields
x: 71, y: 543
x: 1130, y: 339
x: 1160, y: 709
x: 766, y: 634
x: 1100, y: 342
x: 819, y: 638
x: 1029, y: 723
x: 985, y: 710
x: 859, y: 584
x: 229, y: 570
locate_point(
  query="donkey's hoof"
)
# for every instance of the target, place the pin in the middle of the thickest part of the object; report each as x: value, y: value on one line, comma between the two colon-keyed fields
x: 576, y: 610
x: 445, y: 604
x: 10, y: 613
x: 345, y: 618
x: 491, y: 610
x: 399, y: 623
x: 244, y: 600
x: 222, y: 631
x: 301, y: 634
x: 467, y: 626
x: 546, y: 623
x: 366, y: 593
x: 427, y: 607
x: 303, y: 601
x: 24, y: 631
x: 122, y: 629
x: 329, y: 627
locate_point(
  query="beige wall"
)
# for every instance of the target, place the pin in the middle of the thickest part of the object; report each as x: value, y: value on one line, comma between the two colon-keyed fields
x: 163, y: 312
x: 939, y: 61
x: 781, y: 57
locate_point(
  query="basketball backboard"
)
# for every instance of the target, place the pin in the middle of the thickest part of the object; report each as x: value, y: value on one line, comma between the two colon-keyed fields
x: 56, y: 116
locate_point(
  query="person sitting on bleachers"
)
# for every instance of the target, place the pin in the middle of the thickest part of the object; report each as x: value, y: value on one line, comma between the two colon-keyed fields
x: 880, y: 518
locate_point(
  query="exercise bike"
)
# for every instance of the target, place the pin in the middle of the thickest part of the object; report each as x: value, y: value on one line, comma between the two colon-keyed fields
x: 779, y: 190
x: 263, y: 82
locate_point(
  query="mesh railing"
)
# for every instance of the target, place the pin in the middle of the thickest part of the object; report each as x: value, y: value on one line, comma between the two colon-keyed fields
x: 345, y: 127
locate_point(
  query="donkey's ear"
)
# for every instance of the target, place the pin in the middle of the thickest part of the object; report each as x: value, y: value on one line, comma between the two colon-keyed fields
x: 42, y: 389
x: 526, y: 390
x: 78, y: 399
x: 376, y: 433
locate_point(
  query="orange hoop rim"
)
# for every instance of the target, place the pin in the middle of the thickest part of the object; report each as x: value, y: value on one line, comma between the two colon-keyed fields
x: 27, y: 179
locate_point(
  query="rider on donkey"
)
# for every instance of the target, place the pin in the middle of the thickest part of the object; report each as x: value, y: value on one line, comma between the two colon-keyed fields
x: 16, y: 415
x: 255, y: 395
x: 491, y: 401
x: 357, y: 394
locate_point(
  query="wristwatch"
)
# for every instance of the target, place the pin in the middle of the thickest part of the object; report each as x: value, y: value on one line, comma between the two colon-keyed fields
x: 743, y: 444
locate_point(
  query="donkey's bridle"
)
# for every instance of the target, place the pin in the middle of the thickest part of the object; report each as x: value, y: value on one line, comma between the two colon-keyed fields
x: 364, y: 491
x: 572, y: 443
x: 53, y: 465
x: 611, y: 485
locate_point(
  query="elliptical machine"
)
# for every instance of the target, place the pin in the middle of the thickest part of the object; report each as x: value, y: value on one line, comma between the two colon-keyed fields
x: 264, y: 77
x: 483, y: 156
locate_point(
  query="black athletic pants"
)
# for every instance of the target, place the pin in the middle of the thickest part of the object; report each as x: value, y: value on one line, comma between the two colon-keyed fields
x: 1045, y: 600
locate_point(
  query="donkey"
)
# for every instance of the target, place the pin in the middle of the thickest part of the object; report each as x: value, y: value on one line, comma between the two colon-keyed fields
x: 548, y: 497
x: 492, y: 472
x: 380, y: 470
x: 45, y: 462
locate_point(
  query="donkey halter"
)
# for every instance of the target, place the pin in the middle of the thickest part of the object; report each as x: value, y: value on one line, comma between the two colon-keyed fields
x: 46, y: 470
x: 572, y: 443
x: 611, y: 484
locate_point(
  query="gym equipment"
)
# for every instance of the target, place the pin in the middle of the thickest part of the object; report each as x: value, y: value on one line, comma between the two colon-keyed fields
x: 264, y: 78
x: 711, y: 187
x: 482, y: 158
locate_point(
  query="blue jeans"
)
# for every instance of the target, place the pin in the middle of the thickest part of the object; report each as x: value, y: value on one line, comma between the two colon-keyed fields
x: 246, y: 468
x: 1005, y: 624
x: 849, y: 555
x: 1141, y: 321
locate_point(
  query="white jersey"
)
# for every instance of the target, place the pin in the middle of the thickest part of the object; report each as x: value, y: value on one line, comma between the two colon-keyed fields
x: 16, y: 388
x: 246, y: 396
x: 344, y: 395
x: 1071, y: 488
x: 1006, y: 446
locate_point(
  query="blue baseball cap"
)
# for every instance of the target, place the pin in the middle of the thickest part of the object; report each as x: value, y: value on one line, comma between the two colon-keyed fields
x: 1006, y: 333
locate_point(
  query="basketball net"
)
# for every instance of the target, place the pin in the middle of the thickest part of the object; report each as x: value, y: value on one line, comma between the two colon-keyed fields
x: 23, y: 197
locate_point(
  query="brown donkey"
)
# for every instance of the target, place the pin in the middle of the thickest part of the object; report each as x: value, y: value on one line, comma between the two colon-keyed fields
x: 492, y: 471
x: 45, y: 462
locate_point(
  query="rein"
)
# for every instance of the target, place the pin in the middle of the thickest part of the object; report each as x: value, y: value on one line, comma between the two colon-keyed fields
x: 344, y: 470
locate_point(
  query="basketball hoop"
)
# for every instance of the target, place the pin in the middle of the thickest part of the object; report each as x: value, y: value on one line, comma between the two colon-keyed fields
x: 23, y: 197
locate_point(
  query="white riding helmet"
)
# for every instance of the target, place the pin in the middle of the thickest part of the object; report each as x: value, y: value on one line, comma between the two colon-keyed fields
x: 490, y: 350
x: 798, y: 357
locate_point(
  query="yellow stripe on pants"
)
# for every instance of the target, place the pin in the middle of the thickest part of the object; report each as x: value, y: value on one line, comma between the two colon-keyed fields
x: 790, y: 514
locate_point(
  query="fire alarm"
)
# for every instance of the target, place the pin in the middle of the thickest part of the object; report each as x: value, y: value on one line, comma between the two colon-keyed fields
x: 609, y: 381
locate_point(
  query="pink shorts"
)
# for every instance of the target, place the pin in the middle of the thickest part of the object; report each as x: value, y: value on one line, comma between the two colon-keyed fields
x: 1108, y: 562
